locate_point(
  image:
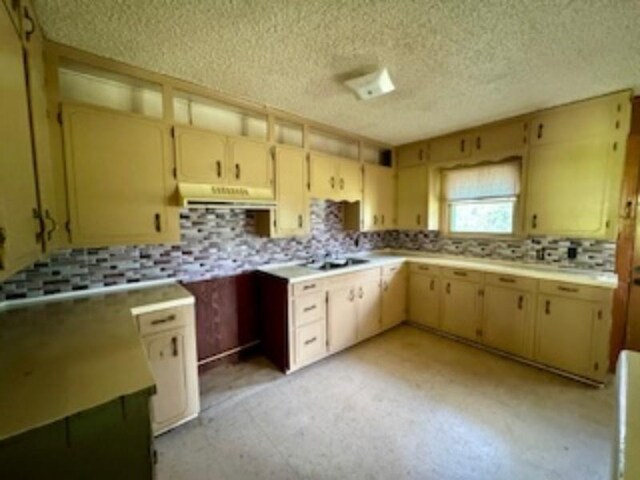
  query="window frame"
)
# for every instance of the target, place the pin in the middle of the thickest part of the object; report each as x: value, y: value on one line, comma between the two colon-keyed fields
x: 518, y: 203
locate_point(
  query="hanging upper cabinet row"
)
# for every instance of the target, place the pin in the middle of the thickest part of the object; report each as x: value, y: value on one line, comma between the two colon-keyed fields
x: 572, y: 169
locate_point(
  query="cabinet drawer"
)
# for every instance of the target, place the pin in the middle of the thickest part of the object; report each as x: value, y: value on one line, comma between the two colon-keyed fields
x: 501, y: 280
x: 310, y: 286
x: 391, y: 269
x: 308, y: 308
x: 161, y: 320
x: 311, y: 342
x: 424, y: 268
x: 573, y: 290
x: 462, y: 274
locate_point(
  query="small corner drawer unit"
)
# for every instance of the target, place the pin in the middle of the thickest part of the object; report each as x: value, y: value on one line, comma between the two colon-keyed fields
x: 308, y: 320
x: 168, y: 336
x: 561, y: 325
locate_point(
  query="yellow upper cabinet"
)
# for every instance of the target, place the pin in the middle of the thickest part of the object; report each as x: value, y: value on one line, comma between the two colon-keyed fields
x: 412, y: 198
x: 575, y: 168
x: 378, y: 198
x: 292, y: 210
x: 600, y: 117
x: 334, y: 178
x: 450, y: 148
x: 200, y: 155
x: 203, y: 156
x: 119, y: 176
x: 249, y: 163
x: 412, y: 154
x: 20, y: 232
x: 500, y: 139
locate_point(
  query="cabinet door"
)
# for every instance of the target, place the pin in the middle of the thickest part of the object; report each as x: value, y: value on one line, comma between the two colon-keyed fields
x: 564, y: 329
x: 119, y: 177
x: 342, y: 317
x: 386, y: 198
x: 598, y: 117
x: 350, y: 180
x: 292, y: 211
x: 250, y: 163
x: 369, y: 311
x: 568, y: 187
x: 453, y: 147
x: 412, y: 154
x: 19, y: 244
x: 394, y: 297
x: 47, y: 194
x: 412, y: 198
x: 505, y: 320
x: 371, y: 215
x: 461, y: 308
x: 200, y: 155
x: 500, y: 139
x: 323, y: 176
x: 424, y: 299
x: 166, y: 357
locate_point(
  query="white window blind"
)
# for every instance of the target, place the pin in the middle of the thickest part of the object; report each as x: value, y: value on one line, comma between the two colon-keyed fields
x: 495, y: 180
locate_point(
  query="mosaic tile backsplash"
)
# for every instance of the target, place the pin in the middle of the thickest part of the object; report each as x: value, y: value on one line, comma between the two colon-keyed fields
x: 223, y: 242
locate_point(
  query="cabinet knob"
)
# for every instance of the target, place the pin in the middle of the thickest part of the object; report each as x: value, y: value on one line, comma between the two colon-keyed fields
x: 237, y: 171
x: 299, y: 221
x: 540, y: 130
x: 375, y: 219
x: 157, y: 222
x: 534, y: 221
x: 382, y: 219
x: 342, y: 184
x: 432, y: 285
x: 478, y: 143
x: 418, y: 219
x: 448, y: 288
x: 174, y: 346
x: 3, y: 241
x: 547, y: 307
x: 219, y: 168
x: 462, y: 145
x: 332, y: 182
x: 360, y: 293
x: 352, y: 295
x: 520, y: 302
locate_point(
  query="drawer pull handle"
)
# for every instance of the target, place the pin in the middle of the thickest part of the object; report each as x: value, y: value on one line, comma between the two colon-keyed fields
x: 310, y: 341
x: 520, y: 302
x: 568, y: 289
x: 160, y: 321
x: 507, y: 280
x: 309, y: 308
x: 460, y: 274
x: 309, y: 287
x: 547, y: 307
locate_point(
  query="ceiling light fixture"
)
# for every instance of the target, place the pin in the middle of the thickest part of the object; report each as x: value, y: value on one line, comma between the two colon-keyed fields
x: 371, y: 85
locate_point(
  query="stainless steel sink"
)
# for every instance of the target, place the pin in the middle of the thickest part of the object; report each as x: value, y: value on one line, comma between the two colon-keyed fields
x: 336, y: 263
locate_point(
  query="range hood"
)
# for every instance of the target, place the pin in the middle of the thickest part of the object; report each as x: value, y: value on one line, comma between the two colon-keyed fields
x: 196, y: 195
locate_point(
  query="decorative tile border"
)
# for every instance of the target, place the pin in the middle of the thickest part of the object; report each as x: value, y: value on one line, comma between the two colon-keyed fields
x: 223, y: 242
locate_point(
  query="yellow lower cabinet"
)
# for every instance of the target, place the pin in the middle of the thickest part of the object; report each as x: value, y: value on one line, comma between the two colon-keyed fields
x: 310, y: 342
x: 572, y: 335
x: 119, y: 178
x: 507, y: 320
x: 461, y: 307
x: 342, y: 315
x: 394, y: 295
x: 424, y: 295
x: 368, y: 305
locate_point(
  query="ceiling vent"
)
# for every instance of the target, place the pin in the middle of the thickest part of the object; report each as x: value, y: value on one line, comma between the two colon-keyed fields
x: 371, y: 85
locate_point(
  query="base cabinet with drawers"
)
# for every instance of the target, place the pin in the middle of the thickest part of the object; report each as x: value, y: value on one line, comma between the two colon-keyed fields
x: 560, y: 325
x: 168, y: 336
x: 306, y: 321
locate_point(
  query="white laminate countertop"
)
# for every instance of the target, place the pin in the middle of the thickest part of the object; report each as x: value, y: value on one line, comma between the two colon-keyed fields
x: 626, y: 461
x: 294, y: 273
x: 63, y: 357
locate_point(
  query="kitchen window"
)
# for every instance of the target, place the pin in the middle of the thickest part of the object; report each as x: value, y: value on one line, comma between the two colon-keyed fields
x: 482, y: 199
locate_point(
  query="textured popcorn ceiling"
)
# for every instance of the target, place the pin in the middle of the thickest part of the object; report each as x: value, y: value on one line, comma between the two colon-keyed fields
x: 455, y: 63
